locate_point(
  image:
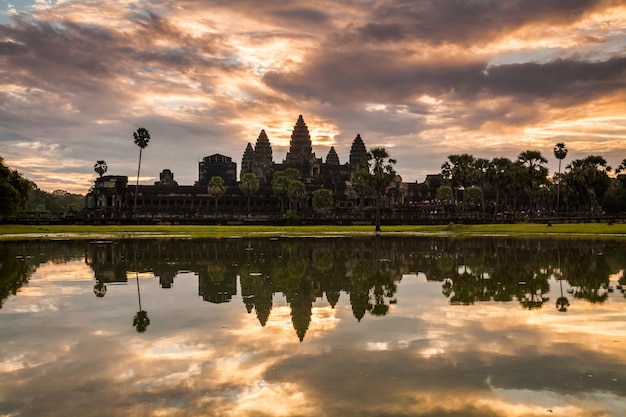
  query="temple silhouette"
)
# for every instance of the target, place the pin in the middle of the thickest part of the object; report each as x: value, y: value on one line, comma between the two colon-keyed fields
x: 113, y: 196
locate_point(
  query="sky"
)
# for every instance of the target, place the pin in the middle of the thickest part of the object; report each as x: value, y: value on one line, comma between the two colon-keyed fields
x: 423, y: 78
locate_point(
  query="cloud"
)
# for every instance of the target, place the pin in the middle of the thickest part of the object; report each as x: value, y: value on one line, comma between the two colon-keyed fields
x: 467, y: 23
x: 209, y: 76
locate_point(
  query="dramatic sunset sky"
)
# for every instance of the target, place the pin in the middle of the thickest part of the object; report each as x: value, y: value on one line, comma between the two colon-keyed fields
x: 423, y: 78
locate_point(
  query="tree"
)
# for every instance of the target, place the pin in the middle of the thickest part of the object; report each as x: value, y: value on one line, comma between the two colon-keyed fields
x: 142, y: 138
x: 382, y: 173
x: 216, y: 189
x: 100, y: 167
x: 362, y: 183
x: 473, y: 194
x: 560, y: 152
x: 296, y: 192
x: 444, y: 193
x: 249, y: 185
x: 621, y: 177
x: 459, y: 171
x: 480, y: 176
x: 280, y: 183
x: 499, y: 175
x: 14, y: 190
x: 536, y: 173
x: 57, y: 202
x: 322, y: 199
x: 588, y: 180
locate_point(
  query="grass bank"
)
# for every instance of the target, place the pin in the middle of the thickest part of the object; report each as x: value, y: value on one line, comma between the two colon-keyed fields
x: 21, y: 232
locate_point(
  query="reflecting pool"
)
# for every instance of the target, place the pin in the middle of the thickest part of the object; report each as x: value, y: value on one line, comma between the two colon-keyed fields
x: 313, y: 327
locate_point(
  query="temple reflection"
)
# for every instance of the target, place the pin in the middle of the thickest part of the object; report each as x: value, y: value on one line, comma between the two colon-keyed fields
x: 364, y: 270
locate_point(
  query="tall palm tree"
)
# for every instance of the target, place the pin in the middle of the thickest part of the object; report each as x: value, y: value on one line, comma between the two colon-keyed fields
x: 382, y: 172
x: 499, y: 176
x: 142, y: 137
x: 100, y: 167
x: 481, y: 168
x: 141, y: 320
x: 533, y: 162
x: 560, y: 152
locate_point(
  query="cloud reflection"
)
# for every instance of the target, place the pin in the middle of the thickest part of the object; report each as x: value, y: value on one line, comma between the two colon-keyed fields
x: 426, y: 357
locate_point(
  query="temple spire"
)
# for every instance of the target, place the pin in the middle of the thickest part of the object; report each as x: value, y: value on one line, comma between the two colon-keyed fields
x: 332, y: 158
x: 357, y: 152
x: 263, y: 149
x: 300, y: 148
x: 246, y: 161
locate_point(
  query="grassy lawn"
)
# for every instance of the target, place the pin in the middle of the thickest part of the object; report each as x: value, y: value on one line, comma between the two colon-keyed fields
x: 20, y: 232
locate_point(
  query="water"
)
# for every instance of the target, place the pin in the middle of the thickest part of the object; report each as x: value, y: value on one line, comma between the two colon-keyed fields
x: 313, y: 327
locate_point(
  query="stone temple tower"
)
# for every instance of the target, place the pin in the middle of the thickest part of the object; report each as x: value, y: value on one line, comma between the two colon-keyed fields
x: 332, y: 158
x: 300, y: 149
x: 357, y: 152
x: 262, y: 163
x: 300, y: 155
x: 247, y: 160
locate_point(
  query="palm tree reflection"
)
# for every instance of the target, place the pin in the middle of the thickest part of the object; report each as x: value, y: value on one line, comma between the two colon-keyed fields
x: 141, y: 320
x: 562, y: 302
x: 100, y: 289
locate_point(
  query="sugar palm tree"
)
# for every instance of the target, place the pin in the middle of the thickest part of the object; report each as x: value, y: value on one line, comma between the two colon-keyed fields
x: 533, y: 162
x: 590, y: 178
x: 459, y: 171
x: 560, y: 152
x: 141, y: 321
x: 249, y: 185
x: 382, y: 172
x: 100, y: 167
x: 216, y: 188
x: 142, y: 137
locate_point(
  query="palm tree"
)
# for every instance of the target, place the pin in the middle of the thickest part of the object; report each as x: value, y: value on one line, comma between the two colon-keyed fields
x: 382, y: 173
x: 532, y: 161
x: 361, y: 184
x: 499, y: 175
x: 560, y: 152
x: 589, y: 179
x: 481, y: 169
x: 216, y: 189
x: 280, y: 183
x: 296, y: 191
x: 142, y: 137
x: 249, y: 185
x: 141, y: 320
x: 100, y: 167
x: 459, y: 171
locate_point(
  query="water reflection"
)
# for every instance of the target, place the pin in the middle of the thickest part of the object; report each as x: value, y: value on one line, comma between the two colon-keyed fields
x: 392, y: 326
x: 365, y: 270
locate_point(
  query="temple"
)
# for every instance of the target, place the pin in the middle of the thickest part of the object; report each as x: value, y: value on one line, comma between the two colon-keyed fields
x: 113, y: 197
x: 313, y: 171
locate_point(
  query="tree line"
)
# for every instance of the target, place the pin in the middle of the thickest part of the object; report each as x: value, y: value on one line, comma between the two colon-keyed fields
x: 584, y: 186
x: 19, y: 195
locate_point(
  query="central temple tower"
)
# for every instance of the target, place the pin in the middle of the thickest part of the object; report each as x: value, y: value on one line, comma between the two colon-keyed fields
x: 300, y: 155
